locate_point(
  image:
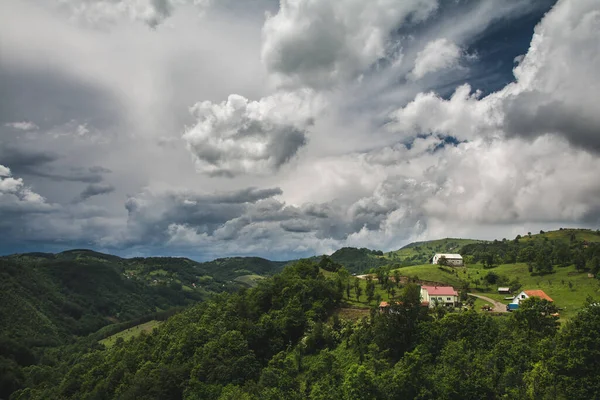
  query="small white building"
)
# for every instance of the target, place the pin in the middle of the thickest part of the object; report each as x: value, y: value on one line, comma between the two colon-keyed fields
x: 454, y: 260
x: 525, y: 294
x: 445, y: 295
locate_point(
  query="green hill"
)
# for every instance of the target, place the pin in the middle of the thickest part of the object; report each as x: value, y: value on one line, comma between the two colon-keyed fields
x: 284, y: 339
x: 421, y: 252
x: 358, y: 260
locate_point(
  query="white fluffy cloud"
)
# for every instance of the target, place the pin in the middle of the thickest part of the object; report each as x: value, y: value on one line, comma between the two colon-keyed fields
x: 437, y: 55
x: 242, y: 136
x: 16, y: 197
x: 320, y: 43
x: 554, y: 92
x: 465, y: 115
x: 22, y: 125
x: 557, y: 86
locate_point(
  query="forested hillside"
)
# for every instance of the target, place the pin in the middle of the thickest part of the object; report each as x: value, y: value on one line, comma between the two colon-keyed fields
x: 542, y: 252
x: 279, y: 341
x: 358, y: 260
x: 49, y: 300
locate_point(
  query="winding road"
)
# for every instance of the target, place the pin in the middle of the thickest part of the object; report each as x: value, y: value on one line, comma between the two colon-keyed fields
x: 498, y: 307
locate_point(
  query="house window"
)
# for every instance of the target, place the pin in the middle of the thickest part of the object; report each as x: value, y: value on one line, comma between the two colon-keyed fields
x: 439, y: 298
x: 522, y: 296
x: 448, y: 298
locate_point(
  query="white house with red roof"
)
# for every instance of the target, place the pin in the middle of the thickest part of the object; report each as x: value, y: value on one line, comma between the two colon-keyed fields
x: 525, y: 294
x: 445, y: 295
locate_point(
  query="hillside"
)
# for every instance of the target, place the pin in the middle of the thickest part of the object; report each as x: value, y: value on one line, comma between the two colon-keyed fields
x: 285, y: 340
x: 358, y: 260
x: 48, y: 298
x: 421, y: 252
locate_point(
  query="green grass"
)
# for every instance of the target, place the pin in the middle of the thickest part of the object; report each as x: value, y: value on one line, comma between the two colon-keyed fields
x: 362, y: 300
x: 250, y: 280
x: 563, y: 235
x: 129, y: 333
x: 568, y: 298
x: 431, y: 272
x: 421, y: 252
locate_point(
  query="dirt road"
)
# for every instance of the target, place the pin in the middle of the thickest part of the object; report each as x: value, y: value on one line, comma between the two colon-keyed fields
x: 498, y: 307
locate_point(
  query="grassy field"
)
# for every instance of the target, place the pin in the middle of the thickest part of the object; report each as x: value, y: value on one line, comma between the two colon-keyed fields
x: 567, y: 287
x: 131, y: 332
x: 421, y: 252
x: 250, y: 280
x: 564, y: 235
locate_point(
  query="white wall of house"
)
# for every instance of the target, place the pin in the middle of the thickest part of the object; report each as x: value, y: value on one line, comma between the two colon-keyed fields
x: 519, y: 297
x: 452, y: 259
x: 441, y: 299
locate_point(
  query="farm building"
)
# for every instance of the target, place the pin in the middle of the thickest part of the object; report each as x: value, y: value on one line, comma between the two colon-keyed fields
x: 454, y: 260
x: 503, y: 290
x: 525, y: 294
x: 433, y: 295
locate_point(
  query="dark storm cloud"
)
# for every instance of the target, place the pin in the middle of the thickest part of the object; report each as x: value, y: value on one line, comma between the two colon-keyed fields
x: 529, y: 115
x: 50, y: 98
x: 150, y: 215
x: 95, y: 190
x: 26, y: 161
x: 21, y: 160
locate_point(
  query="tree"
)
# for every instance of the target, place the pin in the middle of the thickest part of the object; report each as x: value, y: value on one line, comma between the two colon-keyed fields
x: 593, y: 265
x: 491, y: 278
x: 378, y: 298
x: 543, y: 262
x: 515, y: 285
x: 359, y: 384
x: 370, y: 289
x: 397, y: 278
x: 489, y: 260
x: 579, y: 260
x: 577, y: 359
x: 536, y: 317
x: 561, y: 254
x: 442, y: 261
x: 358, y: 292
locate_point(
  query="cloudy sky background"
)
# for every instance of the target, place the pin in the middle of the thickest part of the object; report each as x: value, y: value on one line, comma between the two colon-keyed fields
x: 210, y: 128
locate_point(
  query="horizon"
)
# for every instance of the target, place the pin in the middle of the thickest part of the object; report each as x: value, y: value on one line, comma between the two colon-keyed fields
x: 201, y: 260
x: 286, y: 129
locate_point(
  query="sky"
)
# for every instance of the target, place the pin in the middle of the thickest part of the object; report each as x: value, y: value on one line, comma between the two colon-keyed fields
x: 215, y: 128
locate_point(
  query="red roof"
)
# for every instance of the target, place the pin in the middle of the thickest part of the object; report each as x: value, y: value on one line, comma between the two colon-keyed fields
x: 538, y: 293
x: 383, y: 304
x: 440, y: 290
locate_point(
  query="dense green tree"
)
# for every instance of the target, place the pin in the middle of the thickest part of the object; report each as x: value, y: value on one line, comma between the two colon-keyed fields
x: 536, y: 317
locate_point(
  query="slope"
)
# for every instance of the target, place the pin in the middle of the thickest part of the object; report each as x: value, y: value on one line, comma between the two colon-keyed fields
x: 421, y: 252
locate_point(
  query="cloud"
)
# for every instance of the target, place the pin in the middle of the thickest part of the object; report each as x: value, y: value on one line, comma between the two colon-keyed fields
x: 151, y: 12
x: 95, y: 190
x: 438, y: 55
x: 4, y: 171
x: 239, y: 136
x: 15, y: 197
x: 322, y: 43
x: 557, y: 83
x: 464, y: 115
x: 22, y: 126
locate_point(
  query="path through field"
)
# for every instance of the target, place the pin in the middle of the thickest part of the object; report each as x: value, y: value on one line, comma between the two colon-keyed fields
x: 498, y: 307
